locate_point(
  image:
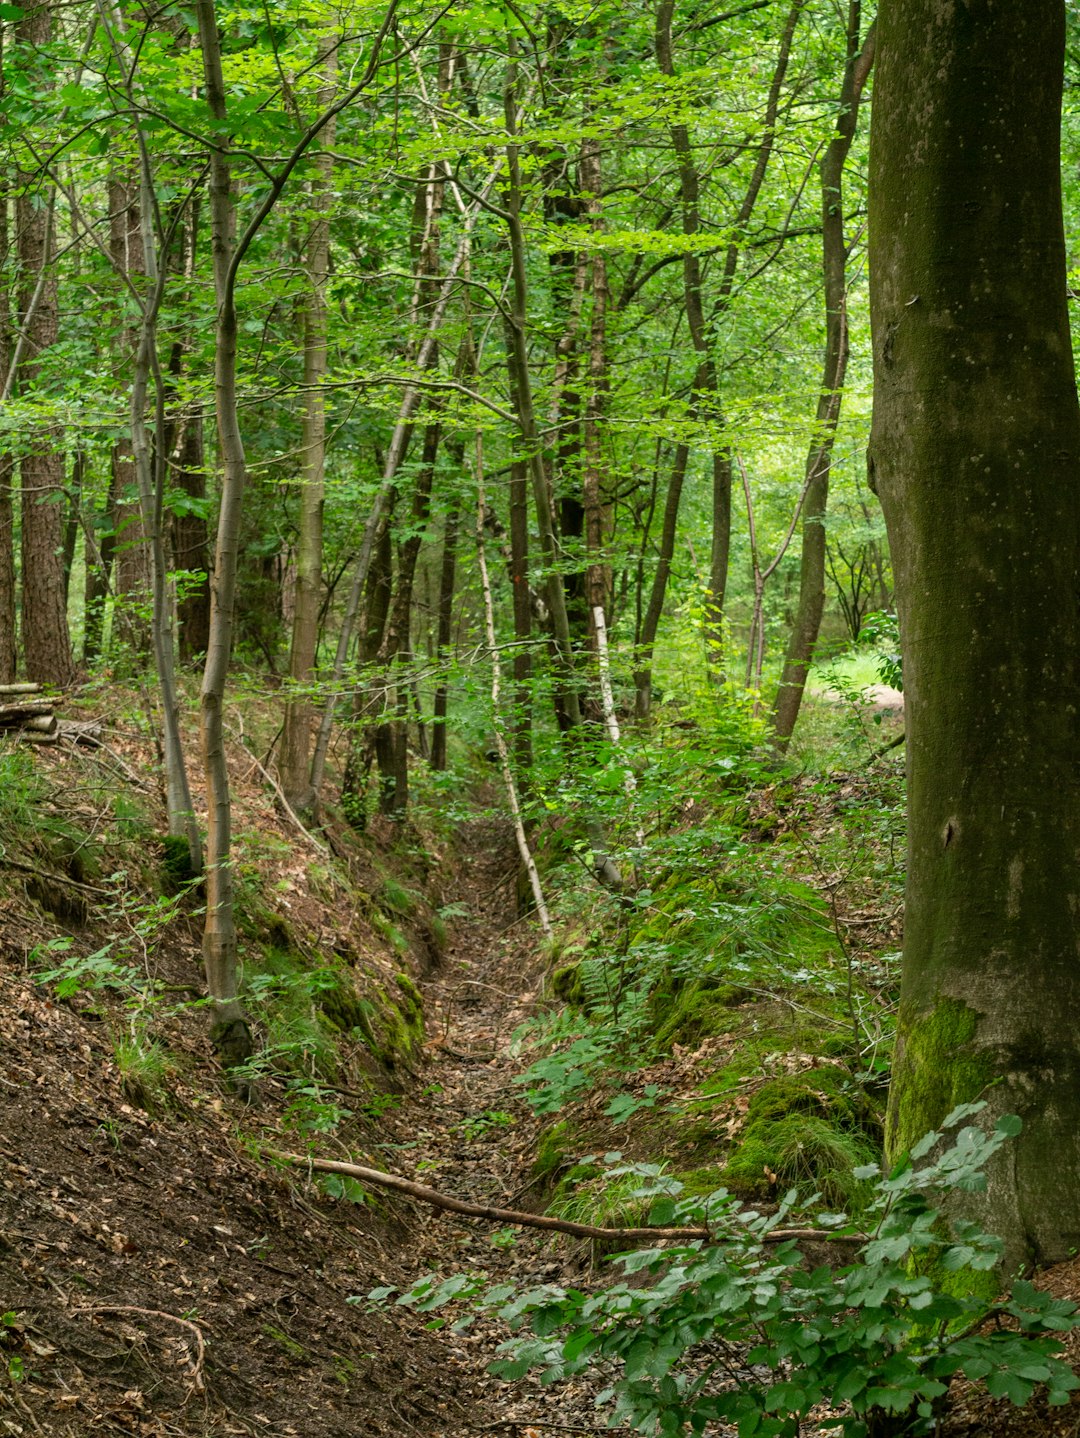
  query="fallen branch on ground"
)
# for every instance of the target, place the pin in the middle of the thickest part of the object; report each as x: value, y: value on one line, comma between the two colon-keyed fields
x: 543, y: 1220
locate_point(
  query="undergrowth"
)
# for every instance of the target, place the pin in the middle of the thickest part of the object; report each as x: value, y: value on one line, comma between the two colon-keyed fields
x: 739, y: 1330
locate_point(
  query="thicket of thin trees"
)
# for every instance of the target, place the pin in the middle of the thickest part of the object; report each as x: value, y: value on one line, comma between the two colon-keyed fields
x: 287, y: 290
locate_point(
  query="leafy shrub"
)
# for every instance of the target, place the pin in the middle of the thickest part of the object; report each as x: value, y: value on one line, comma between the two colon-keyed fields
x: 741, y: 1332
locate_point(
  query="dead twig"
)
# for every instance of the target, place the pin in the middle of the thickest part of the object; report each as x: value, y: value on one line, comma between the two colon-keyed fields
x: 542, y: 1220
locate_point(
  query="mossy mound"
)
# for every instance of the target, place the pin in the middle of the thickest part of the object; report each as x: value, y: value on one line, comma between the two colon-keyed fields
x: 811, y: 1129
x: 689, y: 1013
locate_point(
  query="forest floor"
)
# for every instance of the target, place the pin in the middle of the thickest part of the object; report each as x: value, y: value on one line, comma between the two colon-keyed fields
x: 158, y: 1277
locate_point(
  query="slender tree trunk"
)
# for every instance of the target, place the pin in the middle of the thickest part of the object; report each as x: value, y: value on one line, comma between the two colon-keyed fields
x: 190, y: 543
x: 71, y: 517
x: 706, y: 387
x: 651, y: 622
x: 597, y: 508
x: 604, y: 867
x: 8, y: 633
x: 521, y: 700
x: 299, y: 712
x: 975, y: 451
x: 46, y: 641
x: 445, y: 633
x: 397, y: 646
x: 131, y: 582
x: 804, y: 633
x: 185, y: 447
x: 229, y: 1032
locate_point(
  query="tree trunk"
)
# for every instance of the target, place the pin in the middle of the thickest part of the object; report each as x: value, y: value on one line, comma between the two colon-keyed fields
x: 521, y: 699
x: 229, y: 1030
x: 594, y: 497
x: 46, y: 641
x: 975, y: 450
x: 8, y: 632
x: 651, y: 622
x: 804, y: 633
x: 131, y: 582
x: 185, y: 447
x: 190, y: 545
x: 706, y: 386
x: 604, y: 867
x: 299, y: 711
x: 445, y: 633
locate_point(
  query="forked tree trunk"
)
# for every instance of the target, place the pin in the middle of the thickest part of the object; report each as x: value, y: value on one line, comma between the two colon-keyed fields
x: 811, y: 606
x: 975, y: 452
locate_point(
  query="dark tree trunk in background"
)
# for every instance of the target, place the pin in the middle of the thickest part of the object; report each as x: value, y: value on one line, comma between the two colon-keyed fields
x: 71, y: 518
x: 8, y: 632
x: 131, y: 582
x: 445, y: 633
x: 975, y: 453
x: 651, y: 622
x: 191, y: 547
x: 46, y: 642
x: 521, y: 698
x: 804, y: 633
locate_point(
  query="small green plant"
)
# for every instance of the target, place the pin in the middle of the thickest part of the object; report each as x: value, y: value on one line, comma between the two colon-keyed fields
x: 481, y: 1124
x: 83, y: 973
x: 11, y: 1335
x: 311, y: 1110
x: 740, y: 1332
x: 145, y: 1067
x: 625, y: 1105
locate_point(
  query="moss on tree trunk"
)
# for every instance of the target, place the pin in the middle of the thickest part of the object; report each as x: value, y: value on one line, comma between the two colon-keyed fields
x: 975, y: 453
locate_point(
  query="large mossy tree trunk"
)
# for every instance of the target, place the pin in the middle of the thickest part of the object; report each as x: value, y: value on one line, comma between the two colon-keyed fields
x: 975, y: 453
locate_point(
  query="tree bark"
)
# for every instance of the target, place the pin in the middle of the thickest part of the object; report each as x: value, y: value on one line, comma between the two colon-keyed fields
x: 651, y: 622
x: 975, y: 451
x: 8, y: 632
x: 230, y: 1032
x: 46, y: 641
x: 706, y: 402
x: 444, y: 634
x: 299, y: 711
x: 811, y: 606
x: 521, y: 700
x: 131, y: 581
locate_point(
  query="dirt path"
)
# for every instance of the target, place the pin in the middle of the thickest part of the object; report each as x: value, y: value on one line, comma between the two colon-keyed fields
x: 470, y: 1134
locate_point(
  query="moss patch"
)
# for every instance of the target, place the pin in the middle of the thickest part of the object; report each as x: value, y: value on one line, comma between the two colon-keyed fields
x: 812, y: 1128
x: 937, y: 1067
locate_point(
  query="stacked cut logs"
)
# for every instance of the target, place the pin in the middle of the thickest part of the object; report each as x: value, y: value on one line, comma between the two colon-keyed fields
x: 27, y: 716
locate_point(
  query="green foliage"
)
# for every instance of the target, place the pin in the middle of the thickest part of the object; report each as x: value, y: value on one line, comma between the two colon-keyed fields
x: 480, y: 1125
x: 77, y: 973
x: 145, y: 1067
x: 882, y: 630
x: 879, y: 1339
